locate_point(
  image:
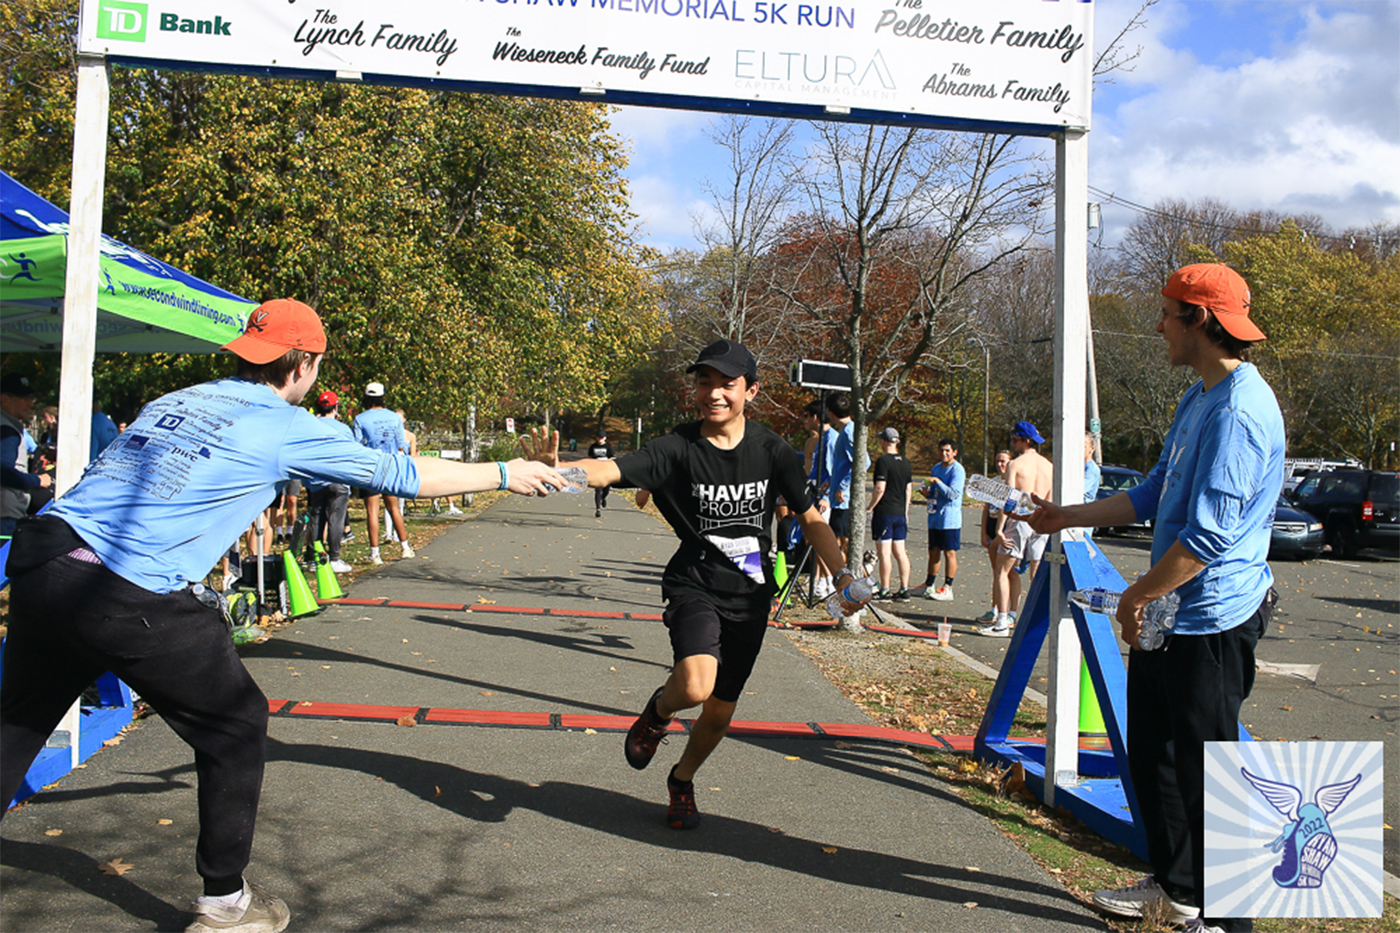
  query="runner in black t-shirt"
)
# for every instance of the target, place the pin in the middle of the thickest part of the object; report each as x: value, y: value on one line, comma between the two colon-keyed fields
x: 716, y: 480
x: 601, y: 450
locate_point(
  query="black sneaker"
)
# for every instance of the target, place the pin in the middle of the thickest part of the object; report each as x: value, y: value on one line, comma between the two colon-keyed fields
x: 646, y: 733
x: 901, y: 596
x: 682, y: 814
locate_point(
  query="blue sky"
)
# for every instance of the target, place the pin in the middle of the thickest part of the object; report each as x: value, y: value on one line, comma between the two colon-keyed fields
x: 1278, y: 105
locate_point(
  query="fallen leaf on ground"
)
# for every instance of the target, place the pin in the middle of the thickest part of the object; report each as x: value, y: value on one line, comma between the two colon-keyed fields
x: 590, y: 731
x: 844, y: 745
x: 405, y: 721
x: 53, y: 832
x: 969, y: 904
x: 829, y: 850
x: 487, y: 693
x: 116, y: 867
x: 164, y: 822
x: 437, y: 791
x: 792, y: 758
x: 971, y: 868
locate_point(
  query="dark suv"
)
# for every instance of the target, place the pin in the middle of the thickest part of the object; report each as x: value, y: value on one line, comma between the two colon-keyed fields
x: 1357, y: 508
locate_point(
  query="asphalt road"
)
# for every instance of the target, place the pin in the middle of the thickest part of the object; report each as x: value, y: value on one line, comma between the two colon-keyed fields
x: 1341, y: 615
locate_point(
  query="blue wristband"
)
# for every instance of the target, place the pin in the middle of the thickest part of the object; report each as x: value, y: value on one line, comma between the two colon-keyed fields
x: 505, y: 474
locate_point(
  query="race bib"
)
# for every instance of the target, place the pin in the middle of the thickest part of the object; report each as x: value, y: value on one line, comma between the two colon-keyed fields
x: 745, y: 554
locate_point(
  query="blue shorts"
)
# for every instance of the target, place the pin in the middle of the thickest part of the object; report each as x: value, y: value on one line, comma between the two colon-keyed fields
x: 945, y: 539
x: 889, y: 527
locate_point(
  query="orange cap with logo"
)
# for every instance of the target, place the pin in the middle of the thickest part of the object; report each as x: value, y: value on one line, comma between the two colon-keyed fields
x: 277, y: 326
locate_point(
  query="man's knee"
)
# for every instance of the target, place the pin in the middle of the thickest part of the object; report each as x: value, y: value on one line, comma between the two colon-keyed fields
x: 693, y: 680
x: 718, y: 714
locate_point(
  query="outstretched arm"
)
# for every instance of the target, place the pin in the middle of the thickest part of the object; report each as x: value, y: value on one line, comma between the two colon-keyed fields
x: 438, y: 477
x: 542, y: 446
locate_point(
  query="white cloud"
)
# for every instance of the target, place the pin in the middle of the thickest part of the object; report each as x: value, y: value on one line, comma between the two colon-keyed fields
x: 1311, y: 126
x: 665, y: 209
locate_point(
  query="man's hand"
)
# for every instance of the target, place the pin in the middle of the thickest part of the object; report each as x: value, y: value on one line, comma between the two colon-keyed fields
x: 45, y: 480
x: 844, y: 579
x: 528, y: 477
x: 840, y: 496
x: 542, y: 445
x: 1048, y: 517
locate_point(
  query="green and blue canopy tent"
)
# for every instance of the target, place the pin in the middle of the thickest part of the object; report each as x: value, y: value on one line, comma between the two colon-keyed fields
x: 143, y: 305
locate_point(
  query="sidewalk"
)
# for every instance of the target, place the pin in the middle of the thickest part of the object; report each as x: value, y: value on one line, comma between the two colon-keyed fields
x: 518, y: 813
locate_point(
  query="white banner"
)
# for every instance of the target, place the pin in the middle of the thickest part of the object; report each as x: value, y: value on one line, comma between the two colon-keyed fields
x: 1018, y: 64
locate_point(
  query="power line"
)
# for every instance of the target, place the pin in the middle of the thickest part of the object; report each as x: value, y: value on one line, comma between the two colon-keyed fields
x: 1349, y: 239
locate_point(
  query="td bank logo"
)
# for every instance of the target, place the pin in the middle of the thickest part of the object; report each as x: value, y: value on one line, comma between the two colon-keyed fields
x: 126, y: 21
x: 117, y: 19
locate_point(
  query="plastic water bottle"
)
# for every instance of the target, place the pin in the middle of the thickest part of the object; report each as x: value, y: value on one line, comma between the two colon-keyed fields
x: 857, y: 591
x: 996, y: 493
x: 1158, y: 616
x: 575, y: 479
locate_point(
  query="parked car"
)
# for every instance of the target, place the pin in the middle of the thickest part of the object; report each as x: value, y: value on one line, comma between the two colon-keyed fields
x: 1296, y: 468
x: 1358, y: 508
x: 1294, y: 533
x: 1116, y: 479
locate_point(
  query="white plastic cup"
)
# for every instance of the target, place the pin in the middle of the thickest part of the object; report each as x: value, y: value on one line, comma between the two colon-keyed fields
x: 945, y: 633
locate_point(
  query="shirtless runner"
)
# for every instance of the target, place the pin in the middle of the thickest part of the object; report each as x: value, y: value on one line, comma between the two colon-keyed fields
x: 1029, y: 472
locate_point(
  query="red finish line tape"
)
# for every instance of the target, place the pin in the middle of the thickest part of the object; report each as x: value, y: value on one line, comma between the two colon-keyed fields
x: 577, y: 722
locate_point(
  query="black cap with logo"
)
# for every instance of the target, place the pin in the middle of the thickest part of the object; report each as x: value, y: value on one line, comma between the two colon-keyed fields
x: 730, y: 358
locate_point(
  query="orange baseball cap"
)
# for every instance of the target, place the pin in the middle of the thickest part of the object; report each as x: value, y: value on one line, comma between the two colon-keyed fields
x: 277, y: 326
x: 1220, y: 290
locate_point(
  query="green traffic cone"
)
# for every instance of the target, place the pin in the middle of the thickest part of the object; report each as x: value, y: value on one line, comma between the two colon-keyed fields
x: 780, y: 572
x: 302, y: 603
x: 327, y: 586
x: 1092, y: 730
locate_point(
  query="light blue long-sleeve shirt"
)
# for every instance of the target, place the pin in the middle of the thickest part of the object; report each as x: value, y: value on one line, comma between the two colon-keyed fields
x: 1214, y: 490
x: 167, y: 498
x: 945, y: 495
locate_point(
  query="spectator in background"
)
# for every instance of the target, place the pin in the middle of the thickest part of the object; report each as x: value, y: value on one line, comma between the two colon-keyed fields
x: 889, y: 514
x: 104, y: 431
x: 328, y: 503
x: 989, y: 535
x: 944, y: 492
x: 843, y: 457
x: 16, y: 482
x: 600, y: 449
x: 380, y: 429
x: 1093, y: 476
x: 817, y: 459
x: 1016, y: 541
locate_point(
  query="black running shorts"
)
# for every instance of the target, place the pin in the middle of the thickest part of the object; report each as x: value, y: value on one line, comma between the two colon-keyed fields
x: 733, y: 638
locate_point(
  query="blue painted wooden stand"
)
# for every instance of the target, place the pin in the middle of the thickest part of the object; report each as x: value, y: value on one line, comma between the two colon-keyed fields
x: 1103, y: 799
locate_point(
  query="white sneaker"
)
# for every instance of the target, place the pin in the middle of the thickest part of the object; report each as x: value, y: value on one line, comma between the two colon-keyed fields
x: 376, y: 560
x: 1130, y: 901
x: 453, y: 510
x: 943, y: 594
x: 824, y: 588
x: 340, y: 566
x: 1001, y: 628
x: 257, y: 912
x: 407, y: 551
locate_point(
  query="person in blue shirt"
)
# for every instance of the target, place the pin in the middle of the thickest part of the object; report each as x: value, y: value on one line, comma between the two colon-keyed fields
x: 380, y: 429
x: 944, y: 493
x: 108, y: 579
x: 1093, y: 476
x: 841, y: 443
x: 104, y: 431
x: 1212, y: 497
x: 818, y: 453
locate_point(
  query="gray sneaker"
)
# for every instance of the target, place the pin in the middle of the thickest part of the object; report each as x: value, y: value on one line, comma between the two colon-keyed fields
x: 1133, y: 901
x: 265, y: 913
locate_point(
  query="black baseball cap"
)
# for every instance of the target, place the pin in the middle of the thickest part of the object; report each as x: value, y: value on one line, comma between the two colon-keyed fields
x: 16, y: 385
x: 730, y: 358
